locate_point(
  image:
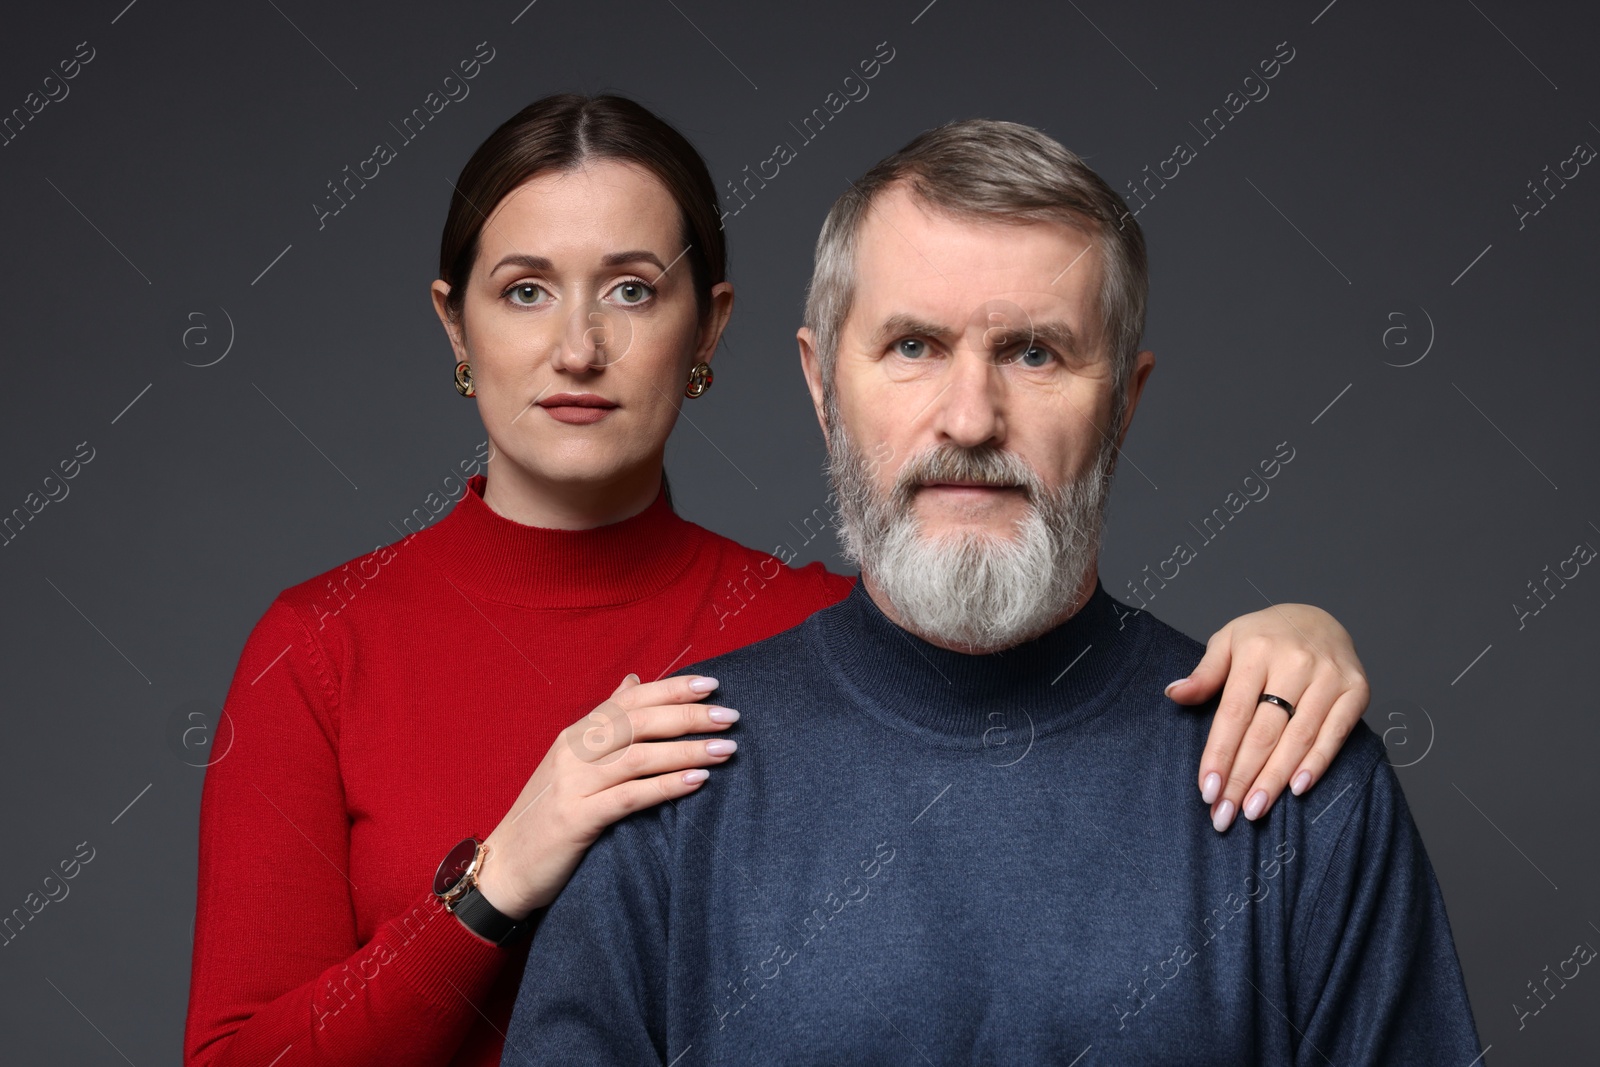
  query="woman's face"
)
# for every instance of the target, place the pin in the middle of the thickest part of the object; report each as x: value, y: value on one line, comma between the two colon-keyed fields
x: 580, y: 323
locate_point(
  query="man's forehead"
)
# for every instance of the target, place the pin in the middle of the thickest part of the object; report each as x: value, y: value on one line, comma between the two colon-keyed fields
x: 928, y: 261
x: 899, y: 221
x: 966, y: 302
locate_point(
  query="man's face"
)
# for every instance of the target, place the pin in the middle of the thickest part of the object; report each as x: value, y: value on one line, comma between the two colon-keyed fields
x: 971, y: 333
x: 975, y: 333
x: 972, y: 364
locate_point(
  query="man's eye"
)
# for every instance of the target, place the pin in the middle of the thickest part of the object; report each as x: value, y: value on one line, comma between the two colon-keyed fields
x: 527, y: 294
x: 632, y: 292
x: 1034, y: 356
x: 911, y: 348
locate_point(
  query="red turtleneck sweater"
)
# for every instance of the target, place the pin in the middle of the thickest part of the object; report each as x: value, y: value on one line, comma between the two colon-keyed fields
x: 385, y: 710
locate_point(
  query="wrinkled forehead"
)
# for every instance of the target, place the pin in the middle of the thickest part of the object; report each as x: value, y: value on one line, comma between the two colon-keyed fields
x: 971, y: 272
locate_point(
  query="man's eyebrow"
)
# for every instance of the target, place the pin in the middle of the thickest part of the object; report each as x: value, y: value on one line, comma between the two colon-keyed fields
x: 612, y: 259
x: 903, y: 325
x: 1054, y: 332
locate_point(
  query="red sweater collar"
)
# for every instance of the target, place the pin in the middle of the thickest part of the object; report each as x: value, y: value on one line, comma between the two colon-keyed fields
x: 487, y: 555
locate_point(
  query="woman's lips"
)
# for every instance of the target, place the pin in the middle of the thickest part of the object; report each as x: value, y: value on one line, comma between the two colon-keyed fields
x: 578, y: 409
x: 581, y: 416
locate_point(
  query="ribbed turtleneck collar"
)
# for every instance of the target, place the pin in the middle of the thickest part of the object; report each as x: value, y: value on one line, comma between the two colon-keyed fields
x: 493, y: 557
x: 1063, y: 677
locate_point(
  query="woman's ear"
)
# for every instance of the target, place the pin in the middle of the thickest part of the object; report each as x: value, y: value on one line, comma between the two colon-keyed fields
x: 714, y: 322
x: 440, y: 291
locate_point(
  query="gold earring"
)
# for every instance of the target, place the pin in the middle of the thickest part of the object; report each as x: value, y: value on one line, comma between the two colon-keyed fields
x: 699, y: 380
x: 464, y: 379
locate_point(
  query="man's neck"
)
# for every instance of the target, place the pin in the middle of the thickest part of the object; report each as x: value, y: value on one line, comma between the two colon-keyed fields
x: 1086, y: 587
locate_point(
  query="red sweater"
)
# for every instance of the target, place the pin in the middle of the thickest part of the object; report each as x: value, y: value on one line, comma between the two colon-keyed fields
x: 385, y: 710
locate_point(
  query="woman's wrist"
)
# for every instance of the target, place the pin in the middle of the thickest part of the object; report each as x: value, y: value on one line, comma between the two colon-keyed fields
x: 492, y: 884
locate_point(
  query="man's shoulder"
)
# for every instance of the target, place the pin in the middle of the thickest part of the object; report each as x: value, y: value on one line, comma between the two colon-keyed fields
x: 769, y: 680
x: 771, y: 661
x: 1360, y: 766
x: 1359, y: 783
x: 1355, y: 819
x: 1363, y: 756
x: 1161, y: 652
x: 1164, y: 641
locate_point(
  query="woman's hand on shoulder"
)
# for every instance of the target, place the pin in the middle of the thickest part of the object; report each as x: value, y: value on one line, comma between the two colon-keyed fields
x: 616, y: 760
x: 1295, y: 651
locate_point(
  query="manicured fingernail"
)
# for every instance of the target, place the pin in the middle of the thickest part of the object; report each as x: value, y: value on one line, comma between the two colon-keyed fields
x: 1257, y: 804
x: 703, y: 685
x: 722, y: 715
x: 634, y: 678
x: 1301, y: 783
x: 1224, y: 816
x: 722, y: 746
x: 699, y: 774
x: 1168, y: 689
x: 1212, y: 787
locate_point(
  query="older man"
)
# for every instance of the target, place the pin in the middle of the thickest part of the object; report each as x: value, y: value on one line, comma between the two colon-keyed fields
x: 956, y: 831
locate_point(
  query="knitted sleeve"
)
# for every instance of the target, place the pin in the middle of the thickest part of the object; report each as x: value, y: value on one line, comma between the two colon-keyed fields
x: 1376, y: 979
x: 278, y: 976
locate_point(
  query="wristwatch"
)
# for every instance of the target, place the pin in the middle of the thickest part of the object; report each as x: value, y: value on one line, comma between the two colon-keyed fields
x: 456, y: 886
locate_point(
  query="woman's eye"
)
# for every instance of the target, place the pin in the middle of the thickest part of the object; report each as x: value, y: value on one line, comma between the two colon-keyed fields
x: 1034, y: 356
x: 527, y: 294
x: 910, y: 348
x: 632, y: 292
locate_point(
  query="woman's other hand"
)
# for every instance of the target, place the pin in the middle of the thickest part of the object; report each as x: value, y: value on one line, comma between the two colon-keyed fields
x: 1294, y: 651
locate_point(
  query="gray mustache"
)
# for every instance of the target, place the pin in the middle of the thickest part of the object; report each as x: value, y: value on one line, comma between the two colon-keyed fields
x: 984, y: 466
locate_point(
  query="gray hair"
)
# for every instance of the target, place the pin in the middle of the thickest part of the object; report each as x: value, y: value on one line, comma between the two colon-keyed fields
x: 995, y: 170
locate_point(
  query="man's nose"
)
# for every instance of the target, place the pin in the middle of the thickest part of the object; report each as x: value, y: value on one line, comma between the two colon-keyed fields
x: 969, y: 410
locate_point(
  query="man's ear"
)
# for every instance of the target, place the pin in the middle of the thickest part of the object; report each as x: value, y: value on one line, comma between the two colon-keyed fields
x: 1143, y: 363
x: 440, y: 291
x: 715, y: 321
x: 811, y: 366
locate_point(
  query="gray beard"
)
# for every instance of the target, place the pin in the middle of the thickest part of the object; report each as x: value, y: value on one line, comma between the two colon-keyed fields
x: 973, y: 589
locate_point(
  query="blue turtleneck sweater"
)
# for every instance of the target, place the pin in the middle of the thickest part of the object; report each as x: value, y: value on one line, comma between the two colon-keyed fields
x: 924, y: 857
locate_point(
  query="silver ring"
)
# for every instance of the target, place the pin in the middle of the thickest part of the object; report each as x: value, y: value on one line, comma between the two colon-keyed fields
x: 1268, y: 698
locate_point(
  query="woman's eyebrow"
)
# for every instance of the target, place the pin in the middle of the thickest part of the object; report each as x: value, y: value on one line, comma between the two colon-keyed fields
x: 612, y: 259
x: 640, y: 255
x: 522, y: 259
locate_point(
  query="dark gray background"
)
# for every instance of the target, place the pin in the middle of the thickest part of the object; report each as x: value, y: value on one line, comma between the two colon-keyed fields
x: 1384, y: 164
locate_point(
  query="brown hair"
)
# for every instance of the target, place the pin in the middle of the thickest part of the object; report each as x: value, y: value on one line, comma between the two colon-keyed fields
x: 564, y: 131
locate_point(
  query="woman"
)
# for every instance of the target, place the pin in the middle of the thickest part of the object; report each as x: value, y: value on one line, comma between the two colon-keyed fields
x: 384, y: 711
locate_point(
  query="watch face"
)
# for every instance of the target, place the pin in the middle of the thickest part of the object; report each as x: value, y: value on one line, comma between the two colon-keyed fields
x: 454, y: 866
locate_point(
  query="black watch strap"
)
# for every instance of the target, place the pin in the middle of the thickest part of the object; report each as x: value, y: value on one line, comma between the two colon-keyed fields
x: 487, y: 921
